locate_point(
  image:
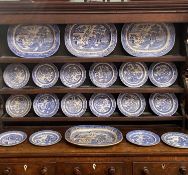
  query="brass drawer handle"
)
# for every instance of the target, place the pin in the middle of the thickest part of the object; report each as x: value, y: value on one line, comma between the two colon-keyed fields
x: 146, y: 171
x: 77, y: 171
x: 183, y: 170
x: 44, y: 171
x: 7, y: 171
x: 111, y: 171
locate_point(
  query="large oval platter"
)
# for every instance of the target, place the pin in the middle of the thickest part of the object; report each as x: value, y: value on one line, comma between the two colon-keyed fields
x: 95, y: 40
x: 93, y: 135
x: 148, y: 39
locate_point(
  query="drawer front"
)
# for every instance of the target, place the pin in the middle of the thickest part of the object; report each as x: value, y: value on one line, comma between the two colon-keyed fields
x: 160, y: 168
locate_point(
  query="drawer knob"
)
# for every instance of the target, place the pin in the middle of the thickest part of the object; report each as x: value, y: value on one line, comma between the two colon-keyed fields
x: 44, y: 171
x: 77, y: 171
x: 146, y: 171
x: 111, y: 171
x: 183, y: 170
x: 7, y: 171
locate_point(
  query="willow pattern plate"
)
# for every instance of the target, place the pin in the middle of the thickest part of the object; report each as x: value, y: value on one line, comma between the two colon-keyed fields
x: 74, y: 105
x: 45, y: 75
x: 103, y: 74
x: 163, y: 74
x: 148, y: 39
x: 45, y: 138
x: 16, y: 75
x: 18, y: 105
x: 33, y: 41
x: 143, y: 138
x: 95, y: 40
x: 163, y: 104
x: 93, y: 135
x: 12, y: 138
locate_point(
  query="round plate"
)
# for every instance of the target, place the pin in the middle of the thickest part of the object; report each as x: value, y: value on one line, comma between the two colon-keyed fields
x: 72, y: 75
x: 103, y: 74
x: 142, y: 138
x: 102, y: 105
x: 33, y: 41
x: 163, y: 104
x: 74, y: 105
x: 18, y: 105
x: 12, y: 138
x: 45, y: 138
x: 16, y: 75
x: 148, y: 39
x: 131, y: 105
x: 175, y: 139
x: 46, y: 105
x: 133, y: 74
x: 163, y: 74
x: 95, y: 40
x: 45, y: 75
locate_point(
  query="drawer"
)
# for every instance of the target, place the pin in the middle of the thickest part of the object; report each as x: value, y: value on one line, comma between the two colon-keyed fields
x: 160, y: 168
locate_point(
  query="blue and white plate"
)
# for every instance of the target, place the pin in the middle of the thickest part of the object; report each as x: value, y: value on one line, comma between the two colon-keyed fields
x: 103, y: 74
x: 16, y: 75
x: 46, y: 105
x: 45, y: 138
x: 33, y: 41
x: 163, y: 74
x: 95, y: 40
x: 143, y: 138
x: 102, y: 105
x: 133, y: 74
x: 148, y: 39
x: 45, y: 75
x: 93, y: 135
x: 163, y: 104
x: 175, y: 139
x: 72, y: 75
x: 18, y: 105
x: 12, y: 138
x: 74, y: 105
x: 131, y: 105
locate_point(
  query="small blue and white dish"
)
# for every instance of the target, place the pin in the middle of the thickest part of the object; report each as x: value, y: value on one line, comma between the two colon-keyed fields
x: 163, y: 104
x: 148, y: 39
x: 175, y: 139
x: 45, y: 75
x: 46, y: 105
x: 18, y: 105
x: 131, y: 105
x: 45, y: 138
x: 74, y: 105
x: 163, y: 74
x: 103, y: 74
x: 91, y: 40
x: 12, y: 138
x: 143, y: 138
x: 72, y: 75
x: 102, y: 105
x: 133, y: 74
x: 16, y: 76
x: 33, y: 41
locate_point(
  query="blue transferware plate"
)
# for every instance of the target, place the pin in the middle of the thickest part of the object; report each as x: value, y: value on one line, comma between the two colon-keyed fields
x: 163, y: 74
x: 148, y: 39
x: 133, y: 74
x: 102, y: 105
x: 45, y: 75
x: 18, y: 105
x: 16, y: 75
x: 175, y: 139
x: 72, y: 75
x: 45, y: 138
x: 131, y: 105
x: 93, y: 135
x: 74, y: 105
x: 143, y: 138
x: 163, y: 104
x: 46, y: 105
x: 103, y: 74
x: 33, y: 41
x: 95, y: 40
x: 12, y: 138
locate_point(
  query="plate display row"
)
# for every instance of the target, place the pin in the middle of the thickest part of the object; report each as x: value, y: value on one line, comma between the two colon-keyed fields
x: 132, y: 74
x: 101, y: 105
x: 91, y: 40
